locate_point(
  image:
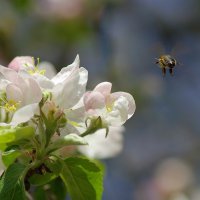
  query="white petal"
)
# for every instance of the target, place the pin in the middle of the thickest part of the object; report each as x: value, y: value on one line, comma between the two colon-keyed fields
x: 33, y: 93
x: 43, y: 81
x: 104, y: 88
x: 66, y: 71
x: 50, y: 70
x: 68, y: 93
x: 9, y: 74
x: 14, y: 93
x: 25, y: 113
x: 119, y: 113
x: 130, y: 99
x: 3, y: 84
x: 102, y: 147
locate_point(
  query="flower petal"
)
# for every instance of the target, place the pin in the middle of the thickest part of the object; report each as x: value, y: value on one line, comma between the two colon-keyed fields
x: 119, y: 113
x: 20, y: 62
x: 104, y: 88
x: 14, y: 93
x: 93, y: 100
x: 9, y: 74
x: 33, y: 94
x: 100, y: 147
x: 43, y: 81
x: 50, y: 70
x: 130, y: 99
x: 67, y: 93
x: 25, y: 113
x: 66, y: 71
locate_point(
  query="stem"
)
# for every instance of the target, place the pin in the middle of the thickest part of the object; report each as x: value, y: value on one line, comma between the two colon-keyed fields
x: 6, y: 117
x: 42, y: 136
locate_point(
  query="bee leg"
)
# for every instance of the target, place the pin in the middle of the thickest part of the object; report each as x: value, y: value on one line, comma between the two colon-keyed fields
x: 163, y: 71
x: 171, y: 71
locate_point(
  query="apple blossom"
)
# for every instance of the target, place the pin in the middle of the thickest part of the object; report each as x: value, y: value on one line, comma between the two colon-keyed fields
x: 19, y: 95
x: 68, y: 84
x: 113, y: 108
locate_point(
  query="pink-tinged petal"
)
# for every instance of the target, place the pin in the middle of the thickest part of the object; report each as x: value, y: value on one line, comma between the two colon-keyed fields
x: 20, y: 62
x: 94, y: 100
x: 14, y: 93
x: 104, y: 88
x: 25, y: 113
x: 66, y: 71
x: 33, y: 93
x: 9, y: 74
x: 130, y: 99
x: 100, y: 147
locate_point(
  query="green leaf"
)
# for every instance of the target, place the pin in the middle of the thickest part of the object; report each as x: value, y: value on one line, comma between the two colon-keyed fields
x: 54, y: 165
x: 3, y: 147
x: 8, y: 134
x: 11, y: 184
x: 94, y: 171
x: 71, y: 139
x: 38, y: 179
x: 10, y: 156
x: 83, y: 162
x: 58, y: 188
x: 54, y: 190
x: 83, y: 179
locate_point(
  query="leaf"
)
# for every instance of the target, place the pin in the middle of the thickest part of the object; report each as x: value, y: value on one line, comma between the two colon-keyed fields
x: 83, y: 162
x: 8, y: 134
x: 83, y: 179
x: 10, y: 156
x: 71, y: 139
x: 54, y: 165
x: 11, y: 184
x: 54, y: 190
x: 38, y: 179
x: 59, y: 189
x: 94, y: 171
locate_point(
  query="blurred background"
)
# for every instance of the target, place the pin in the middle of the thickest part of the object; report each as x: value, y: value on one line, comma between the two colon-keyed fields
x: 118, y: 41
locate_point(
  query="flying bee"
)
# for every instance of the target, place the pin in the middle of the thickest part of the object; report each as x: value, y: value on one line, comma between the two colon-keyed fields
x: 165, y: 62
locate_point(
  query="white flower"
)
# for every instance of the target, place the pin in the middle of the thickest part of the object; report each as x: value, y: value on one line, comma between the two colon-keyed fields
x: 67, y: 87
x: 101, y: 147
x: 22, y: 95
x: 113, y: 108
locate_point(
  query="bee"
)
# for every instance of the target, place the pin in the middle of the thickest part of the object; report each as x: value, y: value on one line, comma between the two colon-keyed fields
x: 165, y: 62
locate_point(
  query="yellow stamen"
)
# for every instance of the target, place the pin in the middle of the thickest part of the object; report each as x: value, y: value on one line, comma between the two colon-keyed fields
x: 109, y: 107
x: 35, y: 69
x: 10, y: 106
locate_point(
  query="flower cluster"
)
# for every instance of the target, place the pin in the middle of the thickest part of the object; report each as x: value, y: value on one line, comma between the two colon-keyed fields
x: 45, y: 117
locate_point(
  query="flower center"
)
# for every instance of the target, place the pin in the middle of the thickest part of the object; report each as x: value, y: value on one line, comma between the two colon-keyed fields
x: 35, y: 69
x: 109, y: 107
x: 10, y: 106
